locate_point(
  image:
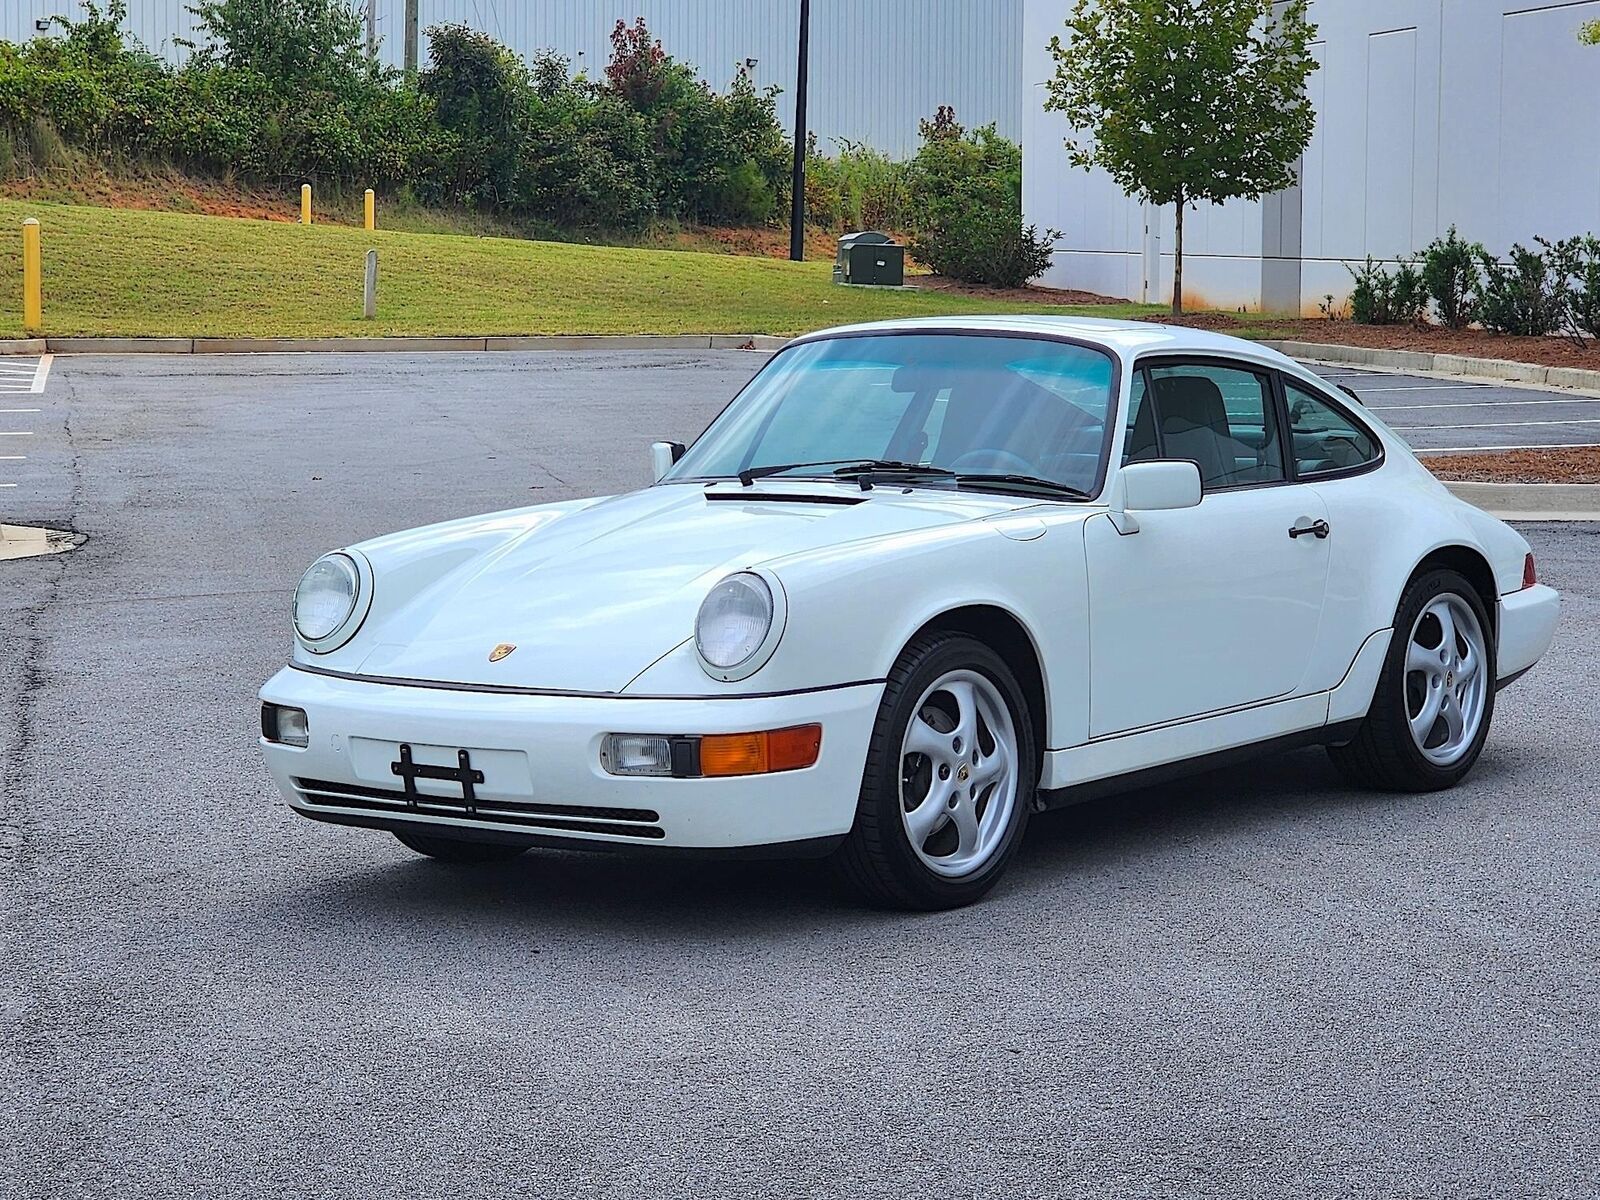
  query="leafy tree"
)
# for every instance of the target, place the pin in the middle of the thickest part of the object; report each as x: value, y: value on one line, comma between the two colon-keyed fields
x: 1186, y: 101
x: 1589, y: 33
x: 479, y: 90
x: 295, y: 44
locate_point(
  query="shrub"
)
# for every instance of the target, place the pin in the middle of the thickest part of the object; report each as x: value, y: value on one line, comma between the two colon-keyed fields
x: 480, y: 92
x: 964, y: 198
x: 1576, y: 263
x: 1525, y: 296
x: 1385, y: 297
x: 1451, y: 274
x: 986, y: 245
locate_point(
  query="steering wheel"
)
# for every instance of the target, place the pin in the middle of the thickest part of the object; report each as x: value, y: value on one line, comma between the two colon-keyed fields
x: 995, y: 462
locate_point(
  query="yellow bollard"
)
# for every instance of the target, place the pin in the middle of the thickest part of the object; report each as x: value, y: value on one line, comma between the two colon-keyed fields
x: 305, y: 204
x: 32, y: 279
x: 372, y: 210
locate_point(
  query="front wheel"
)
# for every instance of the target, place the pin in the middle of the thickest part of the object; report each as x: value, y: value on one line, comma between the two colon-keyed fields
x: 460, y: 850
x: 1431, y: 711
x: 949, y: 781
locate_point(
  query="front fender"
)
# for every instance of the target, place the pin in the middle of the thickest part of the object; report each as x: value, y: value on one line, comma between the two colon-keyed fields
x: 852, y: 609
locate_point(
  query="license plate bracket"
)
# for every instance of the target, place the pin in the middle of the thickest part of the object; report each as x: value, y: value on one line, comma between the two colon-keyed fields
x: 464, y: 773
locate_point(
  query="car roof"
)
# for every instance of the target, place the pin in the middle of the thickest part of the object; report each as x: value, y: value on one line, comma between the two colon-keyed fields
x: 1126, y: 338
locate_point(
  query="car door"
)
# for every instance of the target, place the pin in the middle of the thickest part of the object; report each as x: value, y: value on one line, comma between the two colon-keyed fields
x: 1213, y: 607
x: 1336, y: 454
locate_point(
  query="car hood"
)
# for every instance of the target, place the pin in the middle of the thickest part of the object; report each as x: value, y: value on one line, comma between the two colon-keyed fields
x: 591, y: 596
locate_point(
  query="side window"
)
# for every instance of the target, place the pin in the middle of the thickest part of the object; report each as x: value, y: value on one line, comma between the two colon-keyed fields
x: 1324, y: 438
x: 1221, y: 417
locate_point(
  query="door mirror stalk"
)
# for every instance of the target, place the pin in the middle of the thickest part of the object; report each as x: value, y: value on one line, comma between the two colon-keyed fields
x: 1162, y: 485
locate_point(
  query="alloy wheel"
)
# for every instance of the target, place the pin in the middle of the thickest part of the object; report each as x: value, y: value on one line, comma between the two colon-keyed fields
x: 958, y: 773
x: 1447, y: 686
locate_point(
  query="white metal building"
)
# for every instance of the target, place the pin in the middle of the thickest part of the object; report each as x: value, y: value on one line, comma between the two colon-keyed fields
x: 877, y: 66
x: 1477, y: 113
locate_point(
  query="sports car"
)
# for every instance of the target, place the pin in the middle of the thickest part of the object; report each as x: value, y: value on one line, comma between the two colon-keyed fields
x: 918, y: 581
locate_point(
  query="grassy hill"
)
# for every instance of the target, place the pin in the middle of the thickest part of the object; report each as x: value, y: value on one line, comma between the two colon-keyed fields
x: 124, y: 272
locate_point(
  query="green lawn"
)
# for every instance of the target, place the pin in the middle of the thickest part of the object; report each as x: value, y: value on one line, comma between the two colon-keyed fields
x: 121, y: 271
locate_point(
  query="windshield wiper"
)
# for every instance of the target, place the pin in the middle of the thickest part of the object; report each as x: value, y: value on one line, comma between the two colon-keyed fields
x: 750, y: 474
x: 1035, y: 482
x: 852, y: 468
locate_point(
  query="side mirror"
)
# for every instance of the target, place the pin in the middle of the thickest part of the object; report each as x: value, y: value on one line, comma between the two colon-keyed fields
x: 662, y: 456
x: 1159, y: 486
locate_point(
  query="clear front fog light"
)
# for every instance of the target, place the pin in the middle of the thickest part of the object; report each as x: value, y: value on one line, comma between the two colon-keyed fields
x: 636, y: 754
x: 287, y: 726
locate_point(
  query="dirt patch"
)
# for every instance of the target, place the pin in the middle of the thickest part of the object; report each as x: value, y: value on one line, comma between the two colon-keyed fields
x: 1519, y: 466
x: 1039, y: 295
x: 755, y: 242
x: 157, y: 193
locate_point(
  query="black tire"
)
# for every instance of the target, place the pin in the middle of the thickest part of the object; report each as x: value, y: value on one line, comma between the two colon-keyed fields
x: 1383, y: 755
x: 877, y: 857
x: 460, y: 850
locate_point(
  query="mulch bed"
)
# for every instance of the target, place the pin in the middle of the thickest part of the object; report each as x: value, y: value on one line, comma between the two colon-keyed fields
x: 1474, y: 343
x: 1519, y: 466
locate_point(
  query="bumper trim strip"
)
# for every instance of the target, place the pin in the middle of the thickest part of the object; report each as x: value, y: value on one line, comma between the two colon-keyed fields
x: 501, y: 689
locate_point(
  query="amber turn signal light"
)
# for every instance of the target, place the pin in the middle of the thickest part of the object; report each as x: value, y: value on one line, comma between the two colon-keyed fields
x: 760, y: 753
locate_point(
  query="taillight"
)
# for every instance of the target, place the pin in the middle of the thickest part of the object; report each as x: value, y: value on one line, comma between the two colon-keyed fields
x: 1530, y: 572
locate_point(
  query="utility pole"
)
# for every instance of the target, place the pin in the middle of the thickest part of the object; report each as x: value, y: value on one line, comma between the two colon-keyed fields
x: 797, y: 187
x: 372, y: 29
x: 411, y: 39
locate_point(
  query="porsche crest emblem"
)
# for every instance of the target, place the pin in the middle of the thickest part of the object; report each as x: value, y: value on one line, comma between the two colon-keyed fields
x: 500, y: 651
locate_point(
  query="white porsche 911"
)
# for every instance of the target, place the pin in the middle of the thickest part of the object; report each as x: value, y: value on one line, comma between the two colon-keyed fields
x: 919, y: 580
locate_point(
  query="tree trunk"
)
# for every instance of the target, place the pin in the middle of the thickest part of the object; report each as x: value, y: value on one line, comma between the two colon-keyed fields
x: 1177, y: 265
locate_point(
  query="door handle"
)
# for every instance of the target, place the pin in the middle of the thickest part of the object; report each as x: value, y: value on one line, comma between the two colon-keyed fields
x: 1317, y: 529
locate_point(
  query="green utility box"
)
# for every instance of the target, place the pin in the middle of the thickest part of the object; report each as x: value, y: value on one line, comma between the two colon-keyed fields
x: 870, y: 258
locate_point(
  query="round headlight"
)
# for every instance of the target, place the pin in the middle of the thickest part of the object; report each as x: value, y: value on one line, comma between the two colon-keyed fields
x: 734, y: 621
x: 326, y: 597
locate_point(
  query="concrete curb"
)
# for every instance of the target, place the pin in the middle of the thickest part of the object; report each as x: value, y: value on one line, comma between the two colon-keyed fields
x: 390, y: 345
x: 1444, y: 366
x: 1531, y: 501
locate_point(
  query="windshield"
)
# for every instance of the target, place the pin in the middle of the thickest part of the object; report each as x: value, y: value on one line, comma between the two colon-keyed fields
x: 966, y: 404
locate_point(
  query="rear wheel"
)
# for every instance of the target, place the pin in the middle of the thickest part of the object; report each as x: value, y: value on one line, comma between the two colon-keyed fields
x: 1431, y: 711
x: 460, y: 850
x: 949, y: 780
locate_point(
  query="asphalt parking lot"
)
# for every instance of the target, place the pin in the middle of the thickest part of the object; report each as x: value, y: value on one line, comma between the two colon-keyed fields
x: 1255, y: 983
x: 1453, y: 415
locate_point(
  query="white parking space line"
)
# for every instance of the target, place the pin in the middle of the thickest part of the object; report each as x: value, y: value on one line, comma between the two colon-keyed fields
x: 1469, y: 403
x: 1498, y: 425
x: 25, y: 376
x: 1427, y: 387
x: 1476, y: 449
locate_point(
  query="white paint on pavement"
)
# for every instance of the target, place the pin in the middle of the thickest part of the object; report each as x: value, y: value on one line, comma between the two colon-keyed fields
x: 1474, y: 403
x: 1496, y: 425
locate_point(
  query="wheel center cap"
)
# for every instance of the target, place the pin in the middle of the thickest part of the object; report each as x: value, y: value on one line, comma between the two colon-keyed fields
x: 1449, y: 679
x: 962, y: 774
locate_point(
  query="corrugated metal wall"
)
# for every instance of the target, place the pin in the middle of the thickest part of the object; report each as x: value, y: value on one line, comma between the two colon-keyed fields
x: 876, y: 65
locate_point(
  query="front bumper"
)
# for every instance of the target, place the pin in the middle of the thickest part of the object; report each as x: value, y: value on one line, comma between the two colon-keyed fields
x: 540, y: 758
x: 1526, y: 625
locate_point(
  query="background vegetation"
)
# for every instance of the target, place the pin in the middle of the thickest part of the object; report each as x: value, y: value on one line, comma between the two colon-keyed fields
x: 276, y: 92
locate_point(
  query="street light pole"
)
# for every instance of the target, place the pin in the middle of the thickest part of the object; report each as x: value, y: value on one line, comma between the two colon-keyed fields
x: 797, y: 187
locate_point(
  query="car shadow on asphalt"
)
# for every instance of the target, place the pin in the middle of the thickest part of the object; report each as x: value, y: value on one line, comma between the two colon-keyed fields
x: 579, y: 891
